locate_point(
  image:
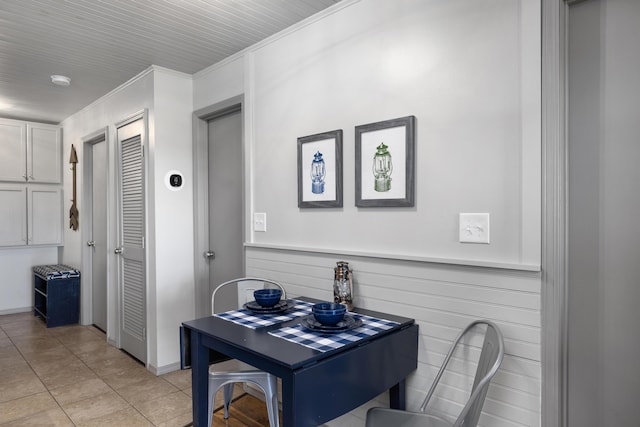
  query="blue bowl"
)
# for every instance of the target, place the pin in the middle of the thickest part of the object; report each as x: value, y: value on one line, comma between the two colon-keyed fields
x: 267, y: 297
x: 328, y: 313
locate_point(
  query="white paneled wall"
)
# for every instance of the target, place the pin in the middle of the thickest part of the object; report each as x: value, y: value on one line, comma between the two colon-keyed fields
x: 443, y: 299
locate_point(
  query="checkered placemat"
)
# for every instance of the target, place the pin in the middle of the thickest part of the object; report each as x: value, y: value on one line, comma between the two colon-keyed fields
x: 252, y: 320
x: 325, y: 342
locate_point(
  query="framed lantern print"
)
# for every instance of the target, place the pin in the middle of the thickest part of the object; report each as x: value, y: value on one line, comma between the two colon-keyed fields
x: 320, y: 170
x: 385, y: 163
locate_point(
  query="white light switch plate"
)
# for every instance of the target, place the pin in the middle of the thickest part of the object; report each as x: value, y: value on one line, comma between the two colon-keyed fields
x: 259, y: 221
x: 474, y: 228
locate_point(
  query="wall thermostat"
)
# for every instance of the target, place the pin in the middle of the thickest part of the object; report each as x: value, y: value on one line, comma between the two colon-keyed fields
x: 174, y: 180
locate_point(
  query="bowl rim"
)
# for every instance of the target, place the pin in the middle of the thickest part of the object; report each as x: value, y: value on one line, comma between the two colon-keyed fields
x: 333, y: 308
x: 267, y: 291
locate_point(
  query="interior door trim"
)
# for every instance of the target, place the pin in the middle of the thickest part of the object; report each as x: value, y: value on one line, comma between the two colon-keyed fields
x: 554, y: 214
x: 201, y: 118
x: 86, y: 315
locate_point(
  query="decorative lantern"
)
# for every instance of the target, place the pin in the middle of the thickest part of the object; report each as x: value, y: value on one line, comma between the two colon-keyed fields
x: 382, y: 168
x: 318, y: 172
x: 343, y: 285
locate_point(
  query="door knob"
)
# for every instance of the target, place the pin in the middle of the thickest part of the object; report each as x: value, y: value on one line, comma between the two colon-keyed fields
x: 91, y: 243
x: 210, y: 254
x: 117, y: 251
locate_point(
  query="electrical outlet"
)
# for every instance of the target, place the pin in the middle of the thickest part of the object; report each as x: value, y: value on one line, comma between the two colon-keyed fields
x: 474, y: 228
x: 259, y: 221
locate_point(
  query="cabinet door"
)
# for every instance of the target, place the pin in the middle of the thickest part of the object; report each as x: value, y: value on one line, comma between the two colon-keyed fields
x: 44, y: 153
x: 44, y: 209
x: 13, y: 214
x: 13, y: 151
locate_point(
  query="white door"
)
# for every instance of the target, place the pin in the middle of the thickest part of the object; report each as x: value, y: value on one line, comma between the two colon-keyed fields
x: 225, y: 200
x: 95, y: 152
x: 133, y: 312
x: 603, y: 205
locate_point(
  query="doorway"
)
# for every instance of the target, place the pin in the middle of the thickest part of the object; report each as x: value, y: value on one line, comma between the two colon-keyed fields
x: 95, y: 196
x: 219, y: 200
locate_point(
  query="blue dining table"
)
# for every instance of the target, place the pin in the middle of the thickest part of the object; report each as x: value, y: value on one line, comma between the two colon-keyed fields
x: 318, y: 384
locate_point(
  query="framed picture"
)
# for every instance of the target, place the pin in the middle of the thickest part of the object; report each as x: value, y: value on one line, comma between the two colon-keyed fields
x: 385, y: 163
x: 320, y: 170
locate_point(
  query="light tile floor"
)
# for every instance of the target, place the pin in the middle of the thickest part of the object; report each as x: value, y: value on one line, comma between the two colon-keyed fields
x: 71, y: 376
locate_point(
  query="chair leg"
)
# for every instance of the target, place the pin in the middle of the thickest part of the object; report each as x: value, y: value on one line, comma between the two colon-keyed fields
x: 271, y: 398
x: 268, y: 384
x: 228, y: 395
x: 212, y: 396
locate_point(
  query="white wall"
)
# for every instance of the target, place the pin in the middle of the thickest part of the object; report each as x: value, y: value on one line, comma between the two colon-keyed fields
x: 219, y: 82
x: 167, y: 95
x: 173, y: 299
x: 469, y: 71
x: 16, y: 286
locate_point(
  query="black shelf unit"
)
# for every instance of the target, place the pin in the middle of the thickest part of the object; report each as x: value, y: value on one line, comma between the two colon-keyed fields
x: 56, y: 296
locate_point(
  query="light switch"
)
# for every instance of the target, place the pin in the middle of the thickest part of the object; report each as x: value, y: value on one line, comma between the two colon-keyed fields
x: 260, y: 221
x: 474, y: 228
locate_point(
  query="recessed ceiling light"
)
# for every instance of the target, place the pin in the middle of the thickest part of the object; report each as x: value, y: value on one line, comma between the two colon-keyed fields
x: 60, y: 80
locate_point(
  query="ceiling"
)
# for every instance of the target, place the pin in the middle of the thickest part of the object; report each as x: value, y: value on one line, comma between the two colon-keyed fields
x: 101, y: 44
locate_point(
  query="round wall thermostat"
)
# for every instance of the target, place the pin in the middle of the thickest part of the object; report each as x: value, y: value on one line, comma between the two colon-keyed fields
x: 174, y: 180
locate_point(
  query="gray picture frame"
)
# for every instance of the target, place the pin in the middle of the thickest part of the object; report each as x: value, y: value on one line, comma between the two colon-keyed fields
x: 331, y: 145
x: 397, y: 139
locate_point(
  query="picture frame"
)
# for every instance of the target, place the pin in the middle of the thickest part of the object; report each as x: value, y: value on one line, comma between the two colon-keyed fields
x: 385, y: 163
x: 320, y: 170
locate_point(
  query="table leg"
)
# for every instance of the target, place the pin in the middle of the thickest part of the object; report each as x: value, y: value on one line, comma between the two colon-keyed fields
x: 397, y: 396
x: 199, y: 380
x: 288, y: 396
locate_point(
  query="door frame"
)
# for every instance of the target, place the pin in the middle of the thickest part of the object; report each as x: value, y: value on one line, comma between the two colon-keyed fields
x: 201, y: 118
x: 554, y: 213
x: 86, y: 224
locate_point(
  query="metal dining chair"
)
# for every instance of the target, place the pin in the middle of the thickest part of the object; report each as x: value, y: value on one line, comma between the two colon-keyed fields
x: 225, y: 374
x: 490, y: 360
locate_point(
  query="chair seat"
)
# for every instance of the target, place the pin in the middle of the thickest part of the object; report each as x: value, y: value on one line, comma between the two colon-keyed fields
x: 384, y: 417
x: 231, y: 365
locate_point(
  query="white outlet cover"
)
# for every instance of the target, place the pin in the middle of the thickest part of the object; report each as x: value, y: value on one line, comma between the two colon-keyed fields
x: 474, y: 228
x: 259, y: 221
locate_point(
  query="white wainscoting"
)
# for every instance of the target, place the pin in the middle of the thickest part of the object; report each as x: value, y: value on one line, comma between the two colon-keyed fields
x: 443, y: 299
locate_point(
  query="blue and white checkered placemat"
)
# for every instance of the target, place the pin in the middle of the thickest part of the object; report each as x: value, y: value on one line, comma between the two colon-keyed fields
x: 252, y: 320
x: 322, y: 342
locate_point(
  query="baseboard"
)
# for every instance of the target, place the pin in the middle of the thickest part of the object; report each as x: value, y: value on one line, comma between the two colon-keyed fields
x: 16, y: 310
x: 164, y: 369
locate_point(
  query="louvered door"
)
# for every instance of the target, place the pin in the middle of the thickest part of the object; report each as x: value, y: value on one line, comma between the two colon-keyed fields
x: 132, y: 237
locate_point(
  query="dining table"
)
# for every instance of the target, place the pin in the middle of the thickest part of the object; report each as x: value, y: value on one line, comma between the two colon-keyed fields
x: 324, y: 374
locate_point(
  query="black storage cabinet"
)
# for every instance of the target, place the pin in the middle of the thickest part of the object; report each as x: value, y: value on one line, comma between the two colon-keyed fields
x: 56, y: 293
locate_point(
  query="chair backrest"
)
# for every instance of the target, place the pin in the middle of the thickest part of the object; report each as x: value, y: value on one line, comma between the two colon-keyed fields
x: 490, y: 360
x: 252, y: 282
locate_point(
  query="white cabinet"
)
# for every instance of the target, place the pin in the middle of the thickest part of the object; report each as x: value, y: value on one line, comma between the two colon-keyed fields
x: 13, y: 214
x: 30, y: 152
x: 30, y: 215
x: 13, y: 150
